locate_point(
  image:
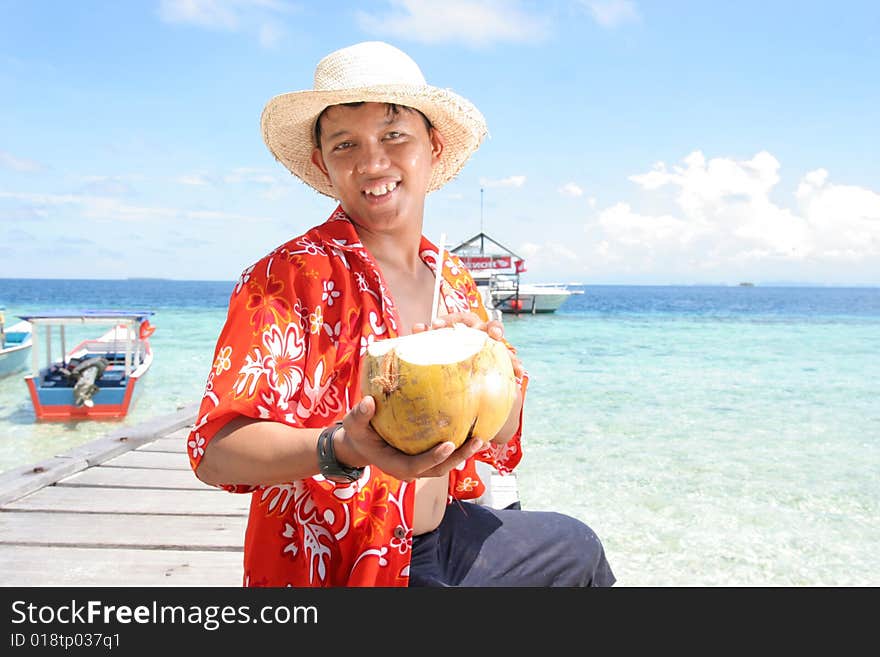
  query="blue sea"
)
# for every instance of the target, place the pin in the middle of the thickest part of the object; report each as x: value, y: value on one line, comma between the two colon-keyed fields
x: 712, y: 436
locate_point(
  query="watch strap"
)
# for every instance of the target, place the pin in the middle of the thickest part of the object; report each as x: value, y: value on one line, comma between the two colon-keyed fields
x: 330, y: 467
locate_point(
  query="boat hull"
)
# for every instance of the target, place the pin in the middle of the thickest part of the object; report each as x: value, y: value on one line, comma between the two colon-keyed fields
x: 16, y: 349
x: 530, y: 303
x: 58, y: 403
x: 14, y: 359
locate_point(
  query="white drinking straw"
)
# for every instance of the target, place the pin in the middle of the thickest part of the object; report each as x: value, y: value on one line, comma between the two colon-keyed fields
x: 438, y: 278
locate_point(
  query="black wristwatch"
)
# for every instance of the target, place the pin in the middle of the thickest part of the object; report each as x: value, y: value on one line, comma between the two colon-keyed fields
x: 330, y: 467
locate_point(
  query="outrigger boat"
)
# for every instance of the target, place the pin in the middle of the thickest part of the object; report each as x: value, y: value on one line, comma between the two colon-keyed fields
x: 15, y: 345
x: 97, y: 378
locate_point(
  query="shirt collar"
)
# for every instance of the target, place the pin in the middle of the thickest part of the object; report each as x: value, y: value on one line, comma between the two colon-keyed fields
x: 339, y: 231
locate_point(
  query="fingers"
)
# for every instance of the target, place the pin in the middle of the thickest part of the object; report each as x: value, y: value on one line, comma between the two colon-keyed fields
x: 361, y: 444
x: 494, y: 328
x: 364, y: 411
x: 454, y: 458
x: 467, y: 318
x: 518, y: 369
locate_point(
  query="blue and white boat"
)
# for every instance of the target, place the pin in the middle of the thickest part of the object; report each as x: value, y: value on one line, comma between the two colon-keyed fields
x: 15, y: 345
x: 97, y: 378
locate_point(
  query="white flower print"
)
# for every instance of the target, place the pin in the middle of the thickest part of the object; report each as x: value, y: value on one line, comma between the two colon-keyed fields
x: 455, y: 300
x: 290, y: 532
x: 363, y: 286
x: 334, y: 331
x: 250, y: 373
x: 309, y: 247
x: 197, y: 446
x: 244, y: 278
x: 281, y: 363
x: 330, y: 294
x: 317, y: 399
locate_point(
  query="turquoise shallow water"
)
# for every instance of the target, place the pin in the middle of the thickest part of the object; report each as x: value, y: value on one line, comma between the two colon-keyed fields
x: 707, y: 452
x: 711, y: 436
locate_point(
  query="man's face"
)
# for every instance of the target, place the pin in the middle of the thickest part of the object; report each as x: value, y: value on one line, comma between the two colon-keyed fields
x: 378, y: 162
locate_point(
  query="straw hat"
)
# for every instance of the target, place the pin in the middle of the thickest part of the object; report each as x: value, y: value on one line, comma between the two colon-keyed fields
x: 372, y: 71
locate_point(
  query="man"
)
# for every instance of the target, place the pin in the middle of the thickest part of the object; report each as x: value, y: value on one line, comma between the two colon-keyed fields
x: 282, y: 416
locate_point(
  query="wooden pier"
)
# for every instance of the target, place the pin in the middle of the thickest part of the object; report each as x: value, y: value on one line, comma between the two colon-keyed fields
x: 127, y: 510
x: 124, y: 510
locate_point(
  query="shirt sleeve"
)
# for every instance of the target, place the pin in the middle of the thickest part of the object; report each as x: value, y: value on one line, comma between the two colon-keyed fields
x: 269, y: 363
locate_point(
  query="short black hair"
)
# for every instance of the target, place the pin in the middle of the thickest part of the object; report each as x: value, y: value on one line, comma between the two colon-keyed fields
x: 391, y: 108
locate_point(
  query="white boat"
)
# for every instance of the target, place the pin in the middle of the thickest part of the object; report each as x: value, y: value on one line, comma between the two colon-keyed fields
x: 15, y: 346
x: 512, y: 296
x: 497, y: 276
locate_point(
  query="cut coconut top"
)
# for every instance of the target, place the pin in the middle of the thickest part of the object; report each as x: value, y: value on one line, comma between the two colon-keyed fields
x: 437, y: 346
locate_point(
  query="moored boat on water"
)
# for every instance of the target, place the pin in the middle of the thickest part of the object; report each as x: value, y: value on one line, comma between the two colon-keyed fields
x: 513, y: 296
x: 15, y: 345
x: 497, y: 276
x: 97, y: 378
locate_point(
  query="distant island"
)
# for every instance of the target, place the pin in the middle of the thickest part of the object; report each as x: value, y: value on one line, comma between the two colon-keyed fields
x: 746, y: 284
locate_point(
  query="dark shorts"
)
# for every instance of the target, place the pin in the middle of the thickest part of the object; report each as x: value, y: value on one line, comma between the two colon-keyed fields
x: 481, y: 546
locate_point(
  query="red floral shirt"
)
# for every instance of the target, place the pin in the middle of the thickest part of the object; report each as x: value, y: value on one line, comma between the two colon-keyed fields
x: 299, y: 321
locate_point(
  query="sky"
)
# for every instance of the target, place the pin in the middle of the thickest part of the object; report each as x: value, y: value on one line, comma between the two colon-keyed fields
x: 630, y: 141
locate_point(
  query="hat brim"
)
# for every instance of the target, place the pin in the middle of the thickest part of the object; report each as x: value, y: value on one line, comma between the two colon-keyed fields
x: 288, y: 122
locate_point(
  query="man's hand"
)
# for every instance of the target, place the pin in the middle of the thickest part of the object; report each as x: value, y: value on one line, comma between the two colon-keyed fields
x: 358, y: 444
x: 494, y: 328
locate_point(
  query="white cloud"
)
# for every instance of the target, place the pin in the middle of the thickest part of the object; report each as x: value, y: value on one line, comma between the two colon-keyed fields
x: 270, y: 35
x: 611, y: 13
x: 250, y: 175
x: 571, y: 189
x: 215, y: 14
x: 471, y: 22
x: 249, y: 16
x: 193, y: 180
x: 546, y: 256
x: 725, y: 221
x: 10, y: 161
x: 510, y: 181
x: 844, y: 219
x: 103, y: 207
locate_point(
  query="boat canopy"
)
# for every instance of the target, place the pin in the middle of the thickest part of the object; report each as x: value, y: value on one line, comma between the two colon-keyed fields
x: 475, y: 257
x: 88, y: 316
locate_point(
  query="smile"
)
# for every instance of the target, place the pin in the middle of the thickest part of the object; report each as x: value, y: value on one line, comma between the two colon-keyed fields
x: 381, y: 189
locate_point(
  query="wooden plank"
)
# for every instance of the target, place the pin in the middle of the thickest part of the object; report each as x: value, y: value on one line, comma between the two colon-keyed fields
x: 127, y: 438
x: 22, y: 481
x: 108, y: 477
x: 25, y: 480
x: 167, y: 444
x: 122, y: 530
x: 145, y: 459
x: 182, y: 431
x: 62, y: 566
x: 208, y: 501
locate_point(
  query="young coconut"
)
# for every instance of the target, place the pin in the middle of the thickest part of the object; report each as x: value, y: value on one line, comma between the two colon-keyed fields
x: 444, y: 384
